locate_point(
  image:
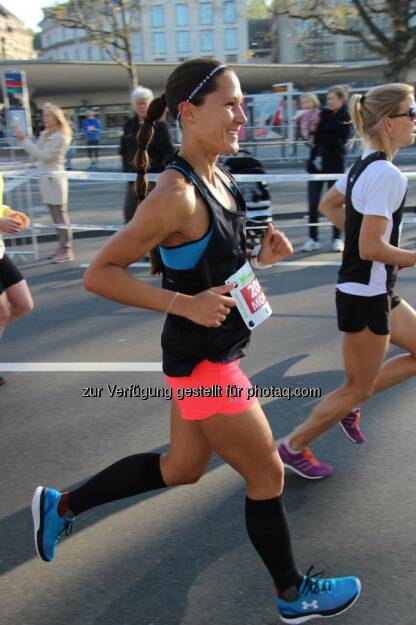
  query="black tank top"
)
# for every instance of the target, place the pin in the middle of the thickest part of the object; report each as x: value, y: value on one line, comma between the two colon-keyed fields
x: 353, y: 268
x: 185, y: 343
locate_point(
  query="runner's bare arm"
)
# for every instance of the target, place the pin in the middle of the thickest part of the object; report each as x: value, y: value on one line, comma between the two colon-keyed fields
x: 332, y: 206
x: 372, y: 245
x: 168, y: 209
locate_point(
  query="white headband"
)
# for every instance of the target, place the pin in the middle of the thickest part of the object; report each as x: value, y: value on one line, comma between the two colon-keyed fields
x: 201, y: 84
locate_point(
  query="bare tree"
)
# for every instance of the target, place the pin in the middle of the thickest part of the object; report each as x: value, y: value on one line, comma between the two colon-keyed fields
x: 386, y: 28
x: 108, y: 23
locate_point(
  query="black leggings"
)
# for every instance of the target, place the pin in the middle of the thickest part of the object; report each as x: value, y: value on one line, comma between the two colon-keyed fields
x: 266, y: 520
x: 92, y: 149
x: 314, y: 195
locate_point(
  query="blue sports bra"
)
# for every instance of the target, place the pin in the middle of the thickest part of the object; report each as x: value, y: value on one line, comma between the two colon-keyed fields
x: 187, y: 255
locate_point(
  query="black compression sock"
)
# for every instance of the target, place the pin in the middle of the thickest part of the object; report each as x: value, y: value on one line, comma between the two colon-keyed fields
x: 127, y: 477
x: 268, y: 530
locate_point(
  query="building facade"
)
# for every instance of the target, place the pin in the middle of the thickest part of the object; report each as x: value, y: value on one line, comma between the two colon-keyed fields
x: 16, y: 42
x: 299, y: 41
x: 164, y: 30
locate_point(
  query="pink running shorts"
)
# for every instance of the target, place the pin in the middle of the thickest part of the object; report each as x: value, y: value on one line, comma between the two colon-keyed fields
x: 211, y: 388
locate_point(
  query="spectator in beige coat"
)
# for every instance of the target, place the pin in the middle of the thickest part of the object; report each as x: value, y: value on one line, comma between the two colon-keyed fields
x: 49, y: 152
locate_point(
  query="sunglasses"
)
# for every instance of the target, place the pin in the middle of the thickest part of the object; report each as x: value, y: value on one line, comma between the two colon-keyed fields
x: 410, y: 113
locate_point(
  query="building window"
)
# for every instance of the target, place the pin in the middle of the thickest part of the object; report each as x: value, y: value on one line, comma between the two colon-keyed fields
x: 137, y: 47
x: 230, y: 16
x: 182, y: 18
x: 158, y: 16
x: 182, y: 41
x: 158, y: 42
x: 205, y: 13
x: 207, y: 41
x: 231, y: 39
x: 356, y: 51
x: 318, y: 52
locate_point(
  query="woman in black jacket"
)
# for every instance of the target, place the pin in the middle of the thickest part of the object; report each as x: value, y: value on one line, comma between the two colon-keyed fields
x: 332, y: 134
x: 160, y: 147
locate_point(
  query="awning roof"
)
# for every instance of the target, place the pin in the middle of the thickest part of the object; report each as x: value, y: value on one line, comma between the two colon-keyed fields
x: 47, y: 79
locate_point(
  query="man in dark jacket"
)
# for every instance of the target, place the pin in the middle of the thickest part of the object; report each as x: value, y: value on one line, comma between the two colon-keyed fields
x: 159, y: 150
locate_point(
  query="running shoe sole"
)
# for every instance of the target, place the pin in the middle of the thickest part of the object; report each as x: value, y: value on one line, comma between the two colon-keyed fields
x: 302, y: 619
x: 347, y: 435
x: 307, y: 477
x: 37, y: 515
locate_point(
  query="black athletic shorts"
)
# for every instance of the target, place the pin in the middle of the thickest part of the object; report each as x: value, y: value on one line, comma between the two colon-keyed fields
x: 356, y: 312
x: 9, y: 273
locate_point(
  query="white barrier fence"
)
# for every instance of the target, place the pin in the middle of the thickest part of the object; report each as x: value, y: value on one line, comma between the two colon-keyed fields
x: 19, y: 182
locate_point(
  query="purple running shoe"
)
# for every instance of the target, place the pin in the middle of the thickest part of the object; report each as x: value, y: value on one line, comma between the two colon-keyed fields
x: 303, y: 463
x: 350, y: 425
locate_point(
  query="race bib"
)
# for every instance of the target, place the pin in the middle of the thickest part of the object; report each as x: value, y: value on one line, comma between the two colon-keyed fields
x: 248, y: 294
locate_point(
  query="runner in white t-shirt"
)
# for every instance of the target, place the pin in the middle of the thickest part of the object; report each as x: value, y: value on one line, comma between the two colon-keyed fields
x: 368, y: 202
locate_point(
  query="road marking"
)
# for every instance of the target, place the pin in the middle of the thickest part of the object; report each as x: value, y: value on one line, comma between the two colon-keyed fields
x: 79, y: 366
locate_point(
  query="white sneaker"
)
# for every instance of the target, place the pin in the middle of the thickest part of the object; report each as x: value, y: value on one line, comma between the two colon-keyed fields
x: 311, y: 245
x: 337, y: 245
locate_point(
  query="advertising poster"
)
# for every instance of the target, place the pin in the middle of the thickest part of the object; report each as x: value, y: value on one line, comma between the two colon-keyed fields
x: 269, y: 114
x: 16, y: 101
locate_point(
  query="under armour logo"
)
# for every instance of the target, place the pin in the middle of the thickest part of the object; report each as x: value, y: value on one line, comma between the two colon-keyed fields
x: 313, y: 604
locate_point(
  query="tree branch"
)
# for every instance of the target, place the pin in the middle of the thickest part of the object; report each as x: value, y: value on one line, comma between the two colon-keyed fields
x: 371, y: 25
x: 106, y: 23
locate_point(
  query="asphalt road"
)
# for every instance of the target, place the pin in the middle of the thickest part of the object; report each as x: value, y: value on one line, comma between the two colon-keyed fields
x: 181, y: 556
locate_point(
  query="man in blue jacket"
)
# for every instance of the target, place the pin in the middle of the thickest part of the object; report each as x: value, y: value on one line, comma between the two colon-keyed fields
x: 91, y: 128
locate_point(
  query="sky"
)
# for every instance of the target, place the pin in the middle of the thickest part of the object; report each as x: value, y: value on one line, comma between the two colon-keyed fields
x: 29, y: 11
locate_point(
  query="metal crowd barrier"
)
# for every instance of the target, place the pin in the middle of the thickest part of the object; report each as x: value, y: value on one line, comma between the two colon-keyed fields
x: 18, y: 185
x: 272, y: 150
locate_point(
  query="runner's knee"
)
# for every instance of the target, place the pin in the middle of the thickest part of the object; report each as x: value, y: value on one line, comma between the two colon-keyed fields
x: 267, y: 478
x: 22, y: 308
x: 5, y: 311
x: 359, y: 390
x: 183, y: 475
x: 176, y: 473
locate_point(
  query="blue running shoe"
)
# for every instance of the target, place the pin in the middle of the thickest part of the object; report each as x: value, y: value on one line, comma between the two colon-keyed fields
x: 320, y: 598
x: 47, y: 524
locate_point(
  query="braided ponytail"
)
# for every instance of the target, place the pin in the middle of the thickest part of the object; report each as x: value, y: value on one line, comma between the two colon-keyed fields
x: 155, y: 112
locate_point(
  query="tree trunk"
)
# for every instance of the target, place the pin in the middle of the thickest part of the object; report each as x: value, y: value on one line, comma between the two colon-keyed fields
x: 274, y: 35
x: 126, y: 37
x: 133, y: 76
x: 396, y: 72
